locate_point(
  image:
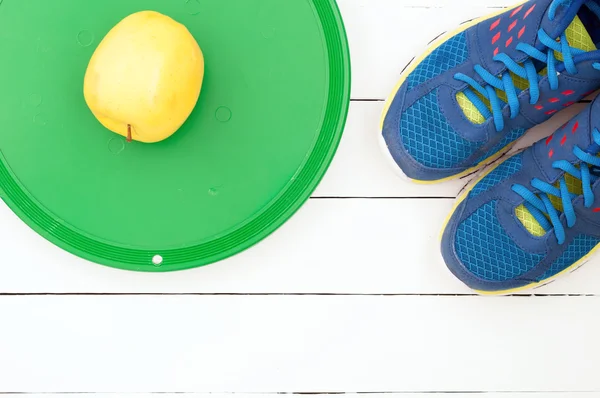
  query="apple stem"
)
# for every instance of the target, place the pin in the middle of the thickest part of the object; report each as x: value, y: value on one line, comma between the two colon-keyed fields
x: 129, y: 139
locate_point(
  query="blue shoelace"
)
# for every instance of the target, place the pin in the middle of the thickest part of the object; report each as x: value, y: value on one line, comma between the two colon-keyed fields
x: 527, y: 71
x: 540, y: 206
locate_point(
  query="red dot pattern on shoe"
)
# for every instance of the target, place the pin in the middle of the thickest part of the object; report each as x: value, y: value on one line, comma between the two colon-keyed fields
x: 516, y: 11
x: 529, y: 11
x: 495, y: 24
x: 512, y: 26
x: 496, y: 37
x: 563, y: 141
x: 556, y: 100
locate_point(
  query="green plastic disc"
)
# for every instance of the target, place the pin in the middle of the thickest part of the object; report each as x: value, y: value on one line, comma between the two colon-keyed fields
x: 269, y: 119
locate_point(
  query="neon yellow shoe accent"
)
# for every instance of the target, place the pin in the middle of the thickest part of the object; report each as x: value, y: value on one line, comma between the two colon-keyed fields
x: 473, y: 114
x: 573, y: 185
x: 520, y: 84
x: 469, y: 109
x: 529, y: 221
x: 577, y: 36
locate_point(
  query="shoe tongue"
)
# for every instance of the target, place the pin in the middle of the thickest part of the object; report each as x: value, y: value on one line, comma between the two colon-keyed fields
x: 528, y: 220
x: 577, y: 36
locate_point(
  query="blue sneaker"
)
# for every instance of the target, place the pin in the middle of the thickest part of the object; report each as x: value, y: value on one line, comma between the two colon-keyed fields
x: 477, y: 90
x: 532, y: 218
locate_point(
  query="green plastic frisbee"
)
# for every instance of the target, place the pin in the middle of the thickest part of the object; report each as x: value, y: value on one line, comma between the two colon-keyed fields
x: 269, y: 119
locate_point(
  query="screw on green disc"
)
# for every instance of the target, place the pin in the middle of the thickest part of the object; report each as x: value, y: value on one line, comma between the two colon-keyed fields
x: 269, y: 119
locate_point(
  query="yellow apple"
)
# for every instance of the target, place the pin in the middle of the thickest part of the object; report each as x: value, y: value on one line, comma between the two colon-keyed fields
x: 144, y: 79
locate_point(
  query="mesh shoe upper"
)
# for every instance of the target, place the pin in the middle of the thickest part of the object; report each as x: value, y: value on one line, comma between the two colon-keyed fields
x: 444, y: 149
x: 449, y: 55
x: 486, y: 249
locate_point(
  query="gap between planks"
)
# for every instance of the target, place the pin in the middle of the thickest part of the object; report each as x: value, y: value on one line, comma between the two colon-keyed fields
x: 365, y: 394
x: 455, y: 295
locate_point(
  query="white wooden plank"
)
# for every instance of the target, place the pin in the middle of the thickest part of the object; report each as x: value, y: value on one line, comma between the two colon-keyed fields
x: 330, y: 246
x: 384, y: 35
x: 298, y: 343
x: 316, y: 395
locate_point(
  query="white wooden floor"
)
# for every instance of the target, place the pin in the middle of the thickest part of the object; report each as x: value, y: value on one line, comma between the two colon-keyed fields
x: 351, y: 296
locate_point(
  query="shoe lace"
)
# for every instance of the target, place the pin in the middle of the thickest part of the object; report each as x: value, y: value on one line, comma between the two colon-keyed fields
x: 540, y: 206
x: 527, y: 71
